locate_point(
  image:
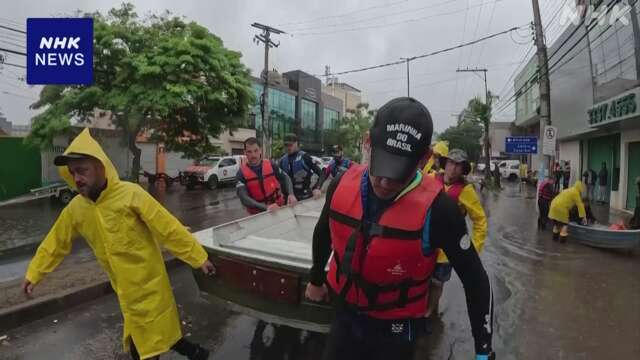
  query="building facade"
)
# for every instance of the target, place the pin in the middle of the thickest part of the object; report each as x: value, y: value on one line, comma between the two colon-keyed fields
x: 297, y: 104
x: 595, y: 93
x: 349, y: 95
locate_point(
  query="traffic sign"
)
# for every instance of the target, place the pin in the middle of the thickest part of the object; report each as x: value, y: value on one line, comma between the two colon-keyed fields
x: 549, y: 141
x: 521, y: 145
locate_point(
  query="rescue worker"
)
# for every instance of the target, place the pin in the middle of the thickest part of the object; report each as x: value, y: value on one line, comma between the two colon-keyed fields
x: 385, y: 223
x: 453, y: 181
x: 560, y: 208
x: 124, y: 227
x: 300, y: 167
x: 545, y: 196
x: 440, y: 149
x: 338, y: 164
x: 260, y: 183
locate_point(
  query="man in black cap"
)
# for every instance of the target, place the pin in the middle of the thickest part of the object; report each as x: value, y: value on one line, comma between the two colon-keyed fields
x: 385, y: 224
x: 338, y: 164
x: 300, y: 167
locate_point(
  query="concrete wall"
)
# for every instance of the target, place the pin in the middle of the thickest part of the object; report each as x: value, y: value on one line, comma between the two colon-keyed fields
x: 618, y: 198
x: 230, y: 142
x: 111, y: 142
x: 349, y: 99
x: 498, y: 132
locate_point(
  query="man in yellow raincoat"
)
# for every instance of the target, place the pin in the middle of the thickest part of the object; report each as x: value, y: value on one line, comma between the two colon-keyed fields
x: 125, y: 227
x: 560, y: 208
x: 456, y: 167
x: 440, y: 149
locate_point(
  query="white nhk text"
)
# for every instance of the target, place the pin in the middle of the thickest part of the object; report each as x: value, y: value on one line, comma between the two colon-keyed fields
x: 59, y: 59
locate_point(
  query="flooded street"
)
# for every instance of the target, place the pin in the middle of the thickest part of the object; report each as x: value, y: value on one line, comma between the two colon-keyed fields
x: 552, y: 301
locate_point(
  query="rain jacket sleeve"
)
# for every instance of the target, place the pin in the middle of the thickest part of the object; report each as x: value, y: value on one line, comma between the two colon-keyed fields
x: 471, y: 203
x: 53, y: 249
x: 168, y: 230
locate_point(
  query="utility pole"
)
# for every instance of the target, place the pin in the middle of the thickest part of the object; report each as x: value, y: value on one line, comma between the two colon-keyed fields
x: 486, y: 89
x: 407, y: 60
x: 265, y: 38
x: 487, y: 101
x: 545, y: 90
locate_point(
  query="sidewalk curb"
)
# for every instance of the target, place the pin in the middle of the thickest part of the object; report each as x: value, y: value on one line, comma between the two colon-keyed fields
x: 16, y: 316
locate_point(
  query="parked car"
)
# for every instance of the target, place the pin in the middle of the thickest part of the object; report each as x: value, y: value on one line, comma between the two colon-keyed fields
x: 510, y: 169
x: 481, y: 166
x: 212, y: 171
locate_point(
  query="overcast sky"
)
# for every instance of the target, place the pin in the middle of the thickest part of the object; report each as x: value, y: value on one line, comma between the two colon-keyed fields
x: 343, y: 34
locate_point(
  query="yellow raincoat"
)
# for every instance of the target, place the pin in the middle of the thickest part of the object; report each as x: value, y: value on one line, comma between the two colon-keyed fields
x: 470, y: 205
x: 441, y: 148
x: 565, y: 201
x: 125, y: 228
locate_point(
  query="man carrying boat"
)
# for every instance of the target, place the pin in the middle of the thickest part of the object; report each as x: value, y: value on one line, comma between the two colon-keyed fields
x: 300, y: 167
x: 124, y: 226
x: 385, y: 223
x: 260, y: 182
x: 456, y: 167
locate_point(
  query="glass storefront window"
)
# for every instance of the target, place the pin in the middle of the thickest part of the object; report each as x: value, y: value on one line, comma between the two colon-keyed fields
x: 308, y: 114
x: 331, y: 118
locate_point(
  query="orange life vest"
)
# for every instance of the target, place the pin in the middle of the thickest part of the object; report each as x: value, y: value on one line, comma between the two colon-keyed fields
x: 379, y: 268
x: 265, y: 188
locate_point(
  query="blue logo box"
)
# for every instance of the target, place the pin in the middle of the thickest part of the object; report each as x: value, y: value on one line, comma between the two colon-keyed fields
x: 60, y: 51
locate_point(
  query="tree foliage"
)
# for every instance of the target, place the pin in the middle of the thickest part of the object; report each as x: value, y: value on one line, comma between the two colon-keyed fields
x: 353, y: 125
x: 479, y: 113
x: 464, y: 136
x: 159, y: 73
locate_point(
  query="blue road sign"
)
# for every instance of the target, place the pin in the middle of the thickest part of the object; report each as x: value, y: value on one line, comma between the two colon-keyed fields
x: 521, y: 145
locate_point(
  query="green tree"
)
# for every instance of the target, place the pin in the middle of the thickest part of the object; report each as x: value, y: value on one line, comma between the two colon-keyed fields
x: 479, y: 113
x: 161, y: 74
x: 352, y: 128
x: 464, y: 136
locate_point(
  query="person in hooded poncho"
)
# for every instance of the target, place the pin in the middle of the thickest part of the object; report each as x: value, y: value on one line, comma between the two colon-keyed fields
x: 126, y: 228
x: 561, y: 207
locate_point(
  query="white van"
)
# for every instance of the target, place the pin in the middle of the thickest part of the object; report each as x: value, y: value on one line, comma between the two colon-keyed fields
x: 510, y: 169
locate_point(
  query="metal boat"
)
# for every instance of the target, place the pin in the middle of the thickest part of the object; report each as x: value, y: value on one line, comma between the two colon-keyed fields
x: 603, y: 237
x: 263, y: 263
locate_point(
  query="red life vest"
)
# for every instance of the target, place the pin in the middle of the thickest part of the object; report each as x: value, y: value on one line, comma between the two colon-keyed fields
x: 454, y: 190
x: 385, y: 275
x: 264, y: 189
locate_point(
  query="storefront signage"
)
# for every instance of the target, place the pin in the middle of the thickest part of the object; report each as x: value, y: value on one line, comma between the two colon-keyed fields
x: 619, y: 108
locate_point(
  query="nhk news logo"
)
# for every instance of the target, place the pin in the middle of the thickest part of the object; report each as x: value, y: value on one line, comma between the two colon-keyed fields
x: 60, y: 51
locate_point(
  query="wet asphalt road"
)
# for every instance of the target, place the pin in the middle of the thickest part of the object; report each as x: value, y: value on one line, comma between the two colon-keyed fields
x: 552, y: 301
x: 25, y: 225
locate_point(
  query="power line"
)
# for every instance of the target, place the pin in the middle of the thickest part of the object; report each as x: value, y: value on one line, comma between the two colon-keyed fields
x: 13, y: 51
x: 15, y: 65
x: 493, y: 10
x: 408, y: 11
x: 423, y: 55
x: 12, y: 22
x: 7, y: 42
x: 359, y: 11
x: 460, y: 53
x: 529, y: 83
x: 388, y: 25
x: 12, y: 29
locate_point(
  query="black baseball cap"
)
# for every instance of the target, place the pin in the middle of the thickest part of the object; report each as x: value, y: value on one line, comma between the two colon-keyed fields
x: 63, y: 160
x: 400, y: 138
